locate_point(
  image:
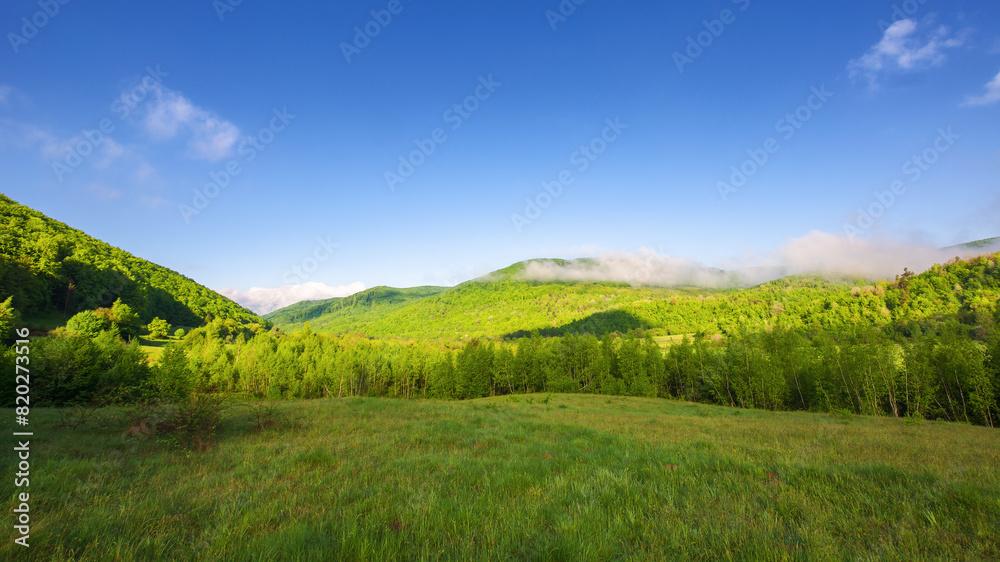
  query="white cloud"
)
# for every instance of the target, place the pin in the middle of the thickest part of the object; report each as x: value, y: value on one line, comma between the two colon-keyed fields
x: 904, y: 48
x: 835, y: 255
x: 815, y: 253
x: 170, y: 114
x: 991, y: 96
x: 4, y: 94
x: 264, y: 300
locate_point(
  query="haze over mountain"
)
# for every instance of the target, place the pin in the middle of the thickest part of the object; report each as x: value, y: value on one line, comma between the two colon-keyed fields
x: 817, y: 253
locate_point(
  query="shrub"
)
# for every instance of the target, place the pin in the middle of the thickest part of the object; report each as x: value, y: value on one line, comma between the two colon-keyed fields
x: 193, y: 422
x: 158, y: 328
x: 78, y: 367
x: 87, y: 323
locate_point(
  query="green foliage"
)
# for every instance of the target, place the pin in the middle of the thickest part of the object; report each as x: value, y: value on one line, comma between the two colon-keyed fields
x: 503, y: 306
x: 9, y: 320
x: 127, y: 321
x: 87, y: 323
x: 348, y: 314
x: 74, y: 368
x: 159, y: 328
x: 179, y: 333
x: 173, y: 376
x: 49, y: 267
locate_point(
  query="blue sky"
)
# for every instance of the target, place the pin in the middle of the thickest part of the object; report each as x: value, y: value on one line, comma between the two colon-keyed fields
x: 287, y: 121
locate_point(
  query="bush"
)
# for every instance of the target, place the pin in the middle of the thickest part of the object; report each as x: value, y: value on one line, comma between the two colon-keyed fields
x: 9, y: 318
x: 76, y: 368
x: 158, y: 328
x: 265, y: 415
x: 88, y: 324
x: 193, y: 422
x: 173, y: 377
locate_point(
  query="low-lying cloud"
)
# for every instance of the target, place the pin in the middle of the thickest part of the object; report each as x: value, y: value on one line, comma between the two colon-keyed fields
x: 818, y: 253
x: 264, y: 300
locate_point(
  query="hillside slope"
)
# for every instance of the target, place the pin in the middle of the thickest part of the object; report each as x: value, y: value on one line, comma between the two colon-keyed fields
x: 499, y: 305
x: 49, y: 267
x: 352, y: 313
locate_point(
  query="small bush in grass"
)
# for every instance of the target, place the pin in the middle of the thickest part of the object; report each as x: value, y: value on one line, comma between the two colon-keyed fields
x: 191, y: 423
x: 916, y: 418
x: 265, y: 415
x: 78, y: 415
x: 842, y: 414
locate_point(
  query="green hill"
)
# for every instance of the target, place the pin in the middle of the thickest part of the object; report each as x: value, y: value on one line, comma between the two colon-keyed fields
x: 977, y: 245
x: 53, y: 270
x: 498, y: 305
x: 349, y: 314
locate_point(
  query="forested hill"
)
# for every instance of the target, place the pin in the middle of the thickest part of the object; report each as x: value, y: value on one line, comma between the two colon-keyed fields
x: 353, y: 312
x: 500, y: 306
x: 49, y: 267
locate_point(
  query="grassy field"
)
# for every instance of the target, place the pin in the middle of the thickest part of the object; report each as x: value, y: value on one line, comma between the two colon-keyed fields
x: 561, y: 477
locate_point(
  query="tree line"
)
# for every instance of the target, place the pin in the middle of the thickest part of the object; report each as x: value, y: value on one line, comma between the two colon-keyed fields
x: 950, y: 372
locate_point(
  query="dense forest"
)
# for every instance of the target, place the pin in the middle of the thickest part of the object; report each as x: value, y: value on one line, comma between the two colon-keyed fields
x: 48, y: 268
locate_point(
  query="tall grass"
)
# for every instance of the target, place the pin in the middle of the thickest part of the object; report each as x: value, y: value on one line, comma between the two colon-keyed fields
x: 570, y: 478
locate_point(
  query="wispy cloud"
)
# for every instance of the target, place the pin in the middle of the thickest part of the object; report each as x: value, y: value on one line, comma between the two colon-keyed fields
x: 4, y: 94
x: 904, y: 47
x: 991, y: 96
x: 263, y: 300
x: 817, y: 253
x: 170, y: 114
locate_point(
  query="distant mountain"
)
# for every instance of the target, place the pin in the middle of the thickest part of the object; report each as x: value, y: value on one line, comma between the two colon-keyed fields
x: 511, y: 303
x: 978, y: 245
x: 50, y: 268
x: 352, y: 313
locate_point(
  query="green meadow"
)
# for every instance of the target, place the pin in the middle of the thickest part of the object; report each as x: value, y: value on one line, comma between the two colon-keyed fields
x: 529, y: 477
